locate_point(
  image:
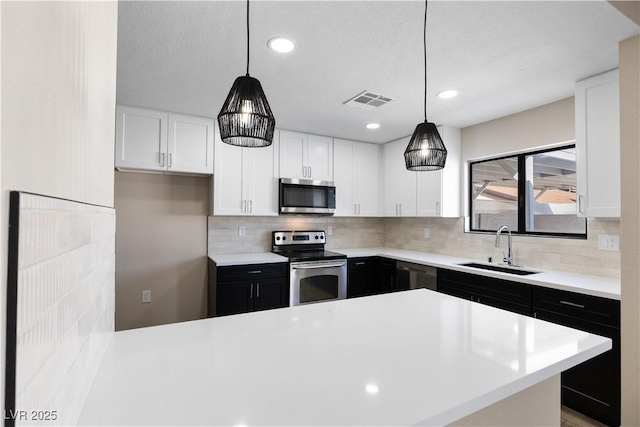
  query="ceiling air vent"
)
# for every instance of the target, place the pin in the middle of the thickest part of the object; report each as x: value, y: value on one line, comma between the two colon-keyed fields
x: 367, y: 100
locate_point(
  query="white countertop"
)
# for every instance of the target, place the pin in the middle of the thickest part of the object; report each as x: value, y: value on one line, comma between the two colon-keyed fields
x: 406, y: 358
x: 590, y: 285
x: 222, y: 260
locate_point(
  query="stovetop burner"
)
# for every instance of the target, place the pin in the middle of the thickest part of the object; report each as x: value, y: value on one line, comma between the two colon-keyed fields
x: 311, y: 255
x: 302, y: 246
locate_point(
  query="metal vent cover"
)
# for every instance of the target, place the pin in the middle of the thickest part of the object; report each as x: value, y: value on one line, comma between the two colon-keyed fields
x: 368, y: 100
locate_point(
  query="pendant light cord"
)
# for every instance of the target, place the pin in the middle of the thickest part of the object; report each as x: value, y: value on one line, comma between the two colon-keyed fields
x: 424, y: 40
x: 248, y: 41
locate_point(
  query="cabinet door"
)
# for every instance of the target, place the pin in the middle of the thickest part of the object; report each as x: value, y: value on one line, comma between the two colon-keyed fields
x: 598, y: 145
x: 438, y: 192
x: 366, y: 179
x: 344, y: 158
x: 399, y: 183
x: 385, y: 276
x: 592, y: 387
x: 141, y: 139
x: 228, y: 196
x: 429, y: 193
x: 260, y: 180
x: 292, y: 159
x: 270, y: 293
x: 361, y: 274
x: 190, y: 144
x: 319, y: 157
x: 234, y: 298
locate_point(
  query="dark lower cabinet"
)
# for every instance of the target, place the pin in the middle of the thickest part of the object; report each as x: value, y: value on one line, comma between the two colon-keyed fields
x: 246, y: 288
x: 385, y: 280
x: 361, y: 273
x: 370, y: 276
x: 504, y: 294
x: 593, y: 387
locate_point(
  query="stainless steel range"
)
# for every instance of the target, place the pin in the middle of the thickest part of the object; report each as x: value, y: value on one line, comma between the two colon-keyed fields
x: 316, y: 275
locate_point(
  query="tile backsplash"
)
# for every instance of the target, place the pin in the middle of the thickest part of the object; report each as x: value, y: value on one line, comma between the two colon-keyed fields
x: 65, y: 303
x: 446, y: 237
x: 346, y: 232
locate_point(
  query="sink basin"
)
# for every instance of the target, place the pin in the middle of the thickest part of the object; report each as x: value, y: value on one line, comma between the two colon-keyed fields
x: 509, y: 270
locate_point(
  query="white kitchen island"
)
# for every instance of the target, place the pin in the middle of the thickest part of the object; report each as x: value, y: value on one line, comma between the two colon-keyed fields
x: 407, y: 358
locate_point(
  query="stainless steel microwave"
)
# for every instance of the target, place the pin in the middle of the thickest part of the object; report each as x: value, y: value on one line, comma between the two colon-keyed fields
x: 306, y: 196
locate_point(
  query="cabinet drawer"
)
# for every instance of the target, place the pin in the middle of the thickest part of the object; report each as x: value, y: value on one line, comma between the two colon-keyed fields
x: 498, y: 289
x: 585, y: 307
x: 361, y: 263
x: 248, y: 272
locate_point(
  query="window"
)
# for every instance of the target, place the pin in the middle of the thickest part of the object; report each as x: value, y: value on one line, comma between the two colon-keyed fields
x: 531, y: 193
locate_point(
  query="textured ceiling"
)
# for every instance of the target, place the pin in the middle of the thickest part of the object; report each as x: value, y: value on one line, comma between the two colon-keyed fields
x: 503, y: 57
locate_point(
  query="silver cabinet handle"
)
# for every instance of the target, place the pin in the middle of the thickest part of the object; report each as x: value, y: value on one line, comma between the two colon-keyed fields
x: 251, y: 291
x: 162, y: 159
x: 437, y: 208
x: 396, y: 209
x: 400, y: 209
x: 360, y: 263
x: 310, y: 173
x: 250, y: 206
x: 355, y: 209
x: 258, y: 290
x: 255, y: 272
x: 304, y: 171
x: 170, y: 162
x: 581, y: 204
x: 572, y: 304
x: 244, y: 206
x: 358, y: 209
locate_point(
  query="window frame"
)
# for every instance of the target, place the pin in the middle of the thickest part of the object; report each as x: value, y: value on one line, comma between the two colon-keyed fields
x: 522, y: 208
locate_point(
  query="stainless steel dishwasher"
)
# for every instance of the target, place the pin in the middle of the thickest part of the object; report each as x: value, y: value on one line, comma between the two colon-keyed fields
x: 413, y: 276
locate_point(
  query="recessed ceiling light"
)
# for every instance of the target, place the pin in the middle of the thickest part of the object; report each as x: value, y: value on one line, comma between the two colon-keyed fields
x: 373, y: 125
x: 280, y: 44
x: 446, y: 94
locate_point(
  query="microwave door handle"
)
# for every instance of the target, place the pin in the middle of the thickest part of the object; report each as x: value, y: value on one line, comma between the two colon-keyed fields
x: 311, y: 267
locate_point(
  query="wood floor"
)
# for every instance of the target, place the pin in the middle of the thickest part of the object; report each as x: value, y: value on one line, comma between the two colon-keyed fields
x: 571, y: 418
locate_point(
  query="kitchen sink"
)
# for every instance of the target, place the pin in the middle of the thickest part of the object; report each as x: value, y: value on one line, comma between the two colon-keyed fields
x: 503, y: 269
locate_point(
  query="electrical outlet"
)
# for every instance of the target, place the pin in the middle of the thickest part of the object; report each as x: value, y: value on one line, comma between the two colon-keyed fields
x: 146, y: 296
x: 427, y: 233
x: 329, y: 231
x: 608, y: 242
x: 242, y: 230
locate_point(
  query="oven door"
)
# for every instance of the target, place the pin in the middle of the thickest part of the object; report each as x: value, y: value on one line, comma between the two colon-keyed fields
x: 317, y: 281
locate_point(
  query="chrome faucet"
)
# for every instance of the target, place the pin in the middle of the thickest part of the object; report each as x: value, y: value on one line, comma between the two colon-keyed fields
x: 508, y: 259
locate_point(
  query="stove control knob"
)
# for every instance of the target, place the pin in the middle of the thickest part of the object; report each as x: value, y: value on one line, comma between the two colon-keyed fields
x: 278, y: 238
x: 284, y: 237
x: 317, y: 237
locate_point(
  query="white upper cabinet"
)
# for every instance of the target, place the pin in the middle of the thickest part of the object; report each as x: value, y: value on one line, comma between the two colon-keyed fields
x: 439, y: 192
x: 598, y: 145
x: 306, y: 156
x: 141, y: 139
x: 425, y: 193
x: 356, y: 176
x: 190, y: 144
x: 245, y: 180
x: 157, y: 141
x: 399, y: 183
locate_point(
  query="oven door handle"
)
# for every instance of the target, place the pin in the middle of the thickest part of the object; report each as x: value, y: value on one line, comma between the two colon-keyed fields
x: 311, y: 267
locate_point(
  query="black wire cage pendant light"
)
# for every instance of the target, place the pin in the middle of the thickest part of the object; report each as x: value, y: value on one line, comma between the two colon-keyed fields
x: 426, y: 151
x: 246, y: 119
